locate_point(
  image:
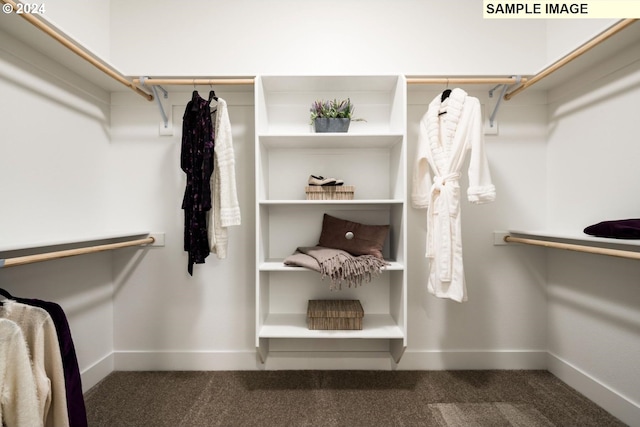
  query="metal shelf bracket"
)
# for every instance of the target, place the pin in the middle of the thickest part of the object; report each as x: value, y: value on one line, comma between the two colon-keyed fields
x: 166, y: 127
x: 492, y: 118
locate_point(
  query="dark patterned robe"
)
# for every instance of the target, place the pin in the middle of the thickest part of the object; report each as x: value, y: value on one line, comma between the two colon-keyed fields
x: 196, y: 160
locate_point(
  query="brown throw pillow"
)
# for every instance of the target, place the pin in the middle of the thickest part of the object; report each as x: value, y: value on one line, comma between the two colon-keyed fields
x: 364, y: 239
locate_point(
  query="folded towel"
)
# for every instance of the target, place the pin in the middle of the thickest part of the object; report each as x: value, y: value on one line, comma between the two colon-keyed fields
x: 616, y: 229
x: 340, y: 266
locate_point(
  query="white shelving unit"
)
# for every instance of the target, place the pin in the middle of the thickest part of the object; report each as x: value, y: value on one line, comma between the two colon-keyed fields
x: 372, y: 157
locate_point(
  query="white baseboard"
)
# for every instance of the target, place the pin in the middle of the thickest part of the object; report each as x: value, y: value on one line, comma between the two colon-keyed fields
x: 96, y: 372
x: 465, y: 360
x: 610, y: 400
x: 185, y: 360
x: 328, y: 360
x: 247, y: 360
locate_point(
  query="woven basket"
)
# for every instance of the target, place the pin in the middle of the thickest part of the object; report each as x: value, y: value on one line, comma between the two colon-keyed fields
x: 334, y: 315
x: 330, y: 192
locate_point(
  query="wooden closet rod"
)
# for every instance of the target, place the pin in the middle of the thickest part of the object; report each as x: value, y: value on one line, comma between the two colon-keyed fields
x: 250, y: 81
x: 573, y: 247
x: 614, y: 29
x: 29, y: 259
x: 194, y: 82
x: 31, y: 18
x: 462, y: 80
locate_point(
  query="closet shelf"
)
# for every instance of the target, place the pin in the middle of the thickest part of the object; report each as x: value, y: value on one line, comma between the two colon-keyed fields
x: 332, y: 202
x: 330, y: 140
x: 374, y: 326
x: 278, y: 265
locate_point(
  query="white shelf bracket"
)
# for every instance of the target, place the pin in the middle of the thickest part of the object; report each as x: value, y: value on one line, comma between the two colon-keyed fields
x: 498, y: 238
x: 166, y: 127
x: 493, y: 115
x: 158, y: 239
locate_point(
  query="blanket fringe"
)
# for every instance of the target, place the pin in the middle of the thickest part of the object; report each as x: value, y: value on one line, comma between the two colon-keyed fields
x: 352, y: 271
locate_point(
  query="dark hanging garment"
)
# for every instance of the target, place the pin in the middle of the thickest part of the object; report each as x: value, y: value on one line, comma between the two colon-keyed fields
x: 196, y: 160
x: 72, y: 381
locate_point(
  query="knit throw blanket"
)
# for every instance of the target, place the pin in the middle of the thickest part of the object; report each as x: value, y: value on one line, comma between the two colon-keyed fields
x: 340, y: 266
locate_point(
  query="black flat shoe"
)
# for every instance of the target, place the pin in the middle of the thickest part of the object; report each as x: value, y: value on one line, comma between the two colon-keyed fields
x: 321, y: 181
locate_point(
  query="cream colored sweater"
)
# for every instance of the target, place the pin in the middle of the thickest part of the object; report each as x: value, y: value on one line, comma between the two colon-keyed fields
x: 42, y: 341
x: 225, y: 210
x: 19, y: 406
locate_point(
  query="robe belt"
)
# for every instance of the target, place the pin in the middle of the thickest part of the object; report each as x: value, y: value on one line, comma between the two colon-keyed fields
x: 440, y: 189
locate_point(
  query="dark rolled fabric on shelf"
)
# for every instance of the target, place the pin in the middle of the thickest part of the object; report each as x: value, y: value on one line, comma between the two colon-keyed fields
x: 616, y: 229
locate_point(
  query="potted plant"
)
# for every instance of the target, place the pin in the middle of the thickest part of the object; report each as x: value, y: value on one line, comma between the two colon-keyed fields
x: 332, y: 116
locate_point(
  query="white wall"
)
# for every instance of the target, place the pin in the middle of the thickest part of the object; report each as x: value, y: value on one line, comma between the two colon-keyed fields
x: 594, y: 301
x: 411, y: 38
x: 53, y: 162
x: 87, y: 22
x: 249, y: 37
x: 160, y: 309
x: 503, y: 324
x: 564, y: 35
x: 52, y: 124
x: 165, y: 319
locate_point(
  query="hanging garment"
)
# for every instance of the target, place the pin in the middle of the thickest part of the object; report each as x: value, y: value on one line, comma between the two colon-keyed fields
x: 196, y: 160
x: 19, y: 404
x: 73, y: 383
x: 225, y: 211
x: 46, y: 361
x: 451, y: 126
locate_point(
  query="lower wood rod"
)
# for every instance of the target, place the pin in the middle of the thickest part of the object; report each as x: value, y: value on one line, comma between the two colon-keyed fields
x: 573, y: 247
x: 31, y: 18
x: 30, y: 259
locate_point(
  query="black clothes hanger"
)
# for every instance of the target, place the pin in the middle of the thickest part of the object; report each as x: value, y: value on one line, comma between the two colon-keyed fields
x: 5, y: 294
x: 194, y: 97
x: 445, y: 94
x: 212, y: 96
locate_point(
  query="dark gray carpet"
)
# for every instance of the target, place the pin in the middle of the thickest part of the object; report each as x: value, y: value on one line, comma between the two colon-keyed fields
x: 340, y: 398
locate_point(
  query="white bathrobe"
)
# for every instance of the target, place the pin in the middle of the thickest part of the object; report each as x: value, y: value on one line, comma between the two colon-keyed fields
x: 444, y: 140
x: 225, y: 209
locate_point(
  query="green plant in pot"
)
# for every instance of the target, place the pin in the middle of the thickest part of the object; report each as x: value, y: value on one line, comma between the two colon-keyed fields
x: 332, y: 116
